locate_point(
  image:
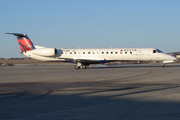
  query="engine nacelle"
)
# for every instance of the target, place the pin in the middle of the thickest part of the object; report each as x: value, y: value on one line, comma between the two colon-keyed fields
x: 47, y: 52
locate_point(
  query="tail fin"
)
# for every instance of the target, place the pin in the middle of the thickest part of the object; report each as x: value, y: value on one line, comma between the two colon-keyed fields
x: 24, y: 42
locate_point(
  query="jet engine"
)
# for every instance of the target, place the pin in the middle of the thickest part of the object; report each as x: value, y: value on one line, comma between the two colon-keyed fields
x: 47, y: 52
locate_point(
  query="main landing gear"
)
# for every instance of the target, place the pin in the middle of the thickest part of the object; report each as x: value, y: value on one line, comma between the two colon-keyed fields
x: 77, y: 67
x: 80, y: 65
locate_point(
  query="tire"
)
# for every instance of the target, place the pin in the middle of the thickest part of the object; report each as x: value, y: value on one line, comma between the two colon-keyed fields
x: 84, y: 67
x: 77, y: 67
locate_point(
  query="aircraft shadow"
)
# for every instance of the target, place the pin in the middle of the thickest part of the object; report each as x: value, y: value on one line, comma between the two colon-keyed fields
x: 131, y: 66
x: 118, y: 103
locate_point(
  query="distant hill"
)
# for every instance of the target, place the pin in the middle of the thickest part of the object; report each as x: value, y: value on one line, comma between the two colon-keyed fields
x: 25, y: 58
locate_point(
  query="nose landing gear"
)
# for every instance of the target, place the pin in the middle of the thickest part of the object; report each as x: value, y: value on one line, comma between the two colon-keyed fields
x: 164, y: 65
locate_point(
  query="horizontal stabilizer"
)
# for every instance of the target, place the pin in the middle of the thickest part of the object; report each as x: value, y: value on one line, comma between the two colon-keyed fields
x: 17, y: 34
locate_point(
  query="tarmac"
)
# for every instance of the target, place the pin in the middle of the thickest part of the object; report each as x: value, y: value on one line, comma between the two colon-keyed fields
x: 114, y: 92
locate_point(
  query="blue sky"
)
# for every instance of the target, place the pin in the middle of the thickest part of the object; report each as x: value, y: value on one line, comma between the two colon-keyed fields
x: 90, y: 24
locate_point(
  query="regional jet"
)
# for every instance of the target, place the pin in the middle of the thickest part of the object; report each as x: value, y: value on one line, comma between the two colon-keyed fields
x: 84, y: 57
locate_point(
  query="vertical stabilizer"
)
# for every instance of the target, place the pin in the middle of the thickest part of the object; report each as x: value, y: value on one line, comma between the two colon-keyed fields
x: 24, y: 42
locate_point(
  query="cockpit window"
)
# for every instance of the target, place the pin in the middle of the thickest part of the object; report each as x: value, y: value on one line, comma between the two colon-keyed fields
x: 154, y: 51
x: 159, y: 51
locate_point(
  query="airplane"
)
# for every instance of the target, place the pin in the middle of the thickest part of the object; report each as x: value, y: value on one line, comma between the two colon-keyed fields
x: 84, y: 57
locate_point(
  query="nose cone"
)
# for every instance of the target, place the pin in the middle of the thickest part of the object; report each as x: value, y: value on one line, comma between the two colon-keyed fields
x: 171, y: 57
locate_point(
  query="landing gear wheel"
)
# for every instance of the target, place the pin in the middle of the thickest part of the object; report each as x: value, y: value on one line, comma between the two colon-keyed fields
x: 77, y: 67
x: 164, y: 66
x: 84, y: 67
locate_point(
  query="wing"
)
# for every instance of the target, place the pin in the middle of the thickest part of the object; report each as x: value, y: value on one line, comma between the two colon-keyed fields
x: 87, y: 61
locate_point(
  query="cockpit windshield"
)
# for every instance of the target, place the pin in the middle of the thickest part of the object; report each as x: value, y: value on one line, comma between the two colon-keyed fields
x: 157, y: 51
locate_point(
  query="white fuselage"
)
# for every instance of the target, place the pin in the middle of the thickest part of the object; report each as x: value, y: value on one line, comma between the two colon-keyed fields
x: 111, y: 54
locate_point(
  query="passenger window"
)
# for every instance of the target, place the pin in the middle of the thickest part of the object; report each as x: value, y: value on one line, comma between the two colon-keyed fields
x: 130, y: 52
x: 115, y: 52
x: 102, y: 52
x: 83, y: 52
x: 125, y: 52
x: 70, y: 52
x: 88, y: 52
x: 111, y: 52
x: 106, y: 52
x: 74, y: 52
